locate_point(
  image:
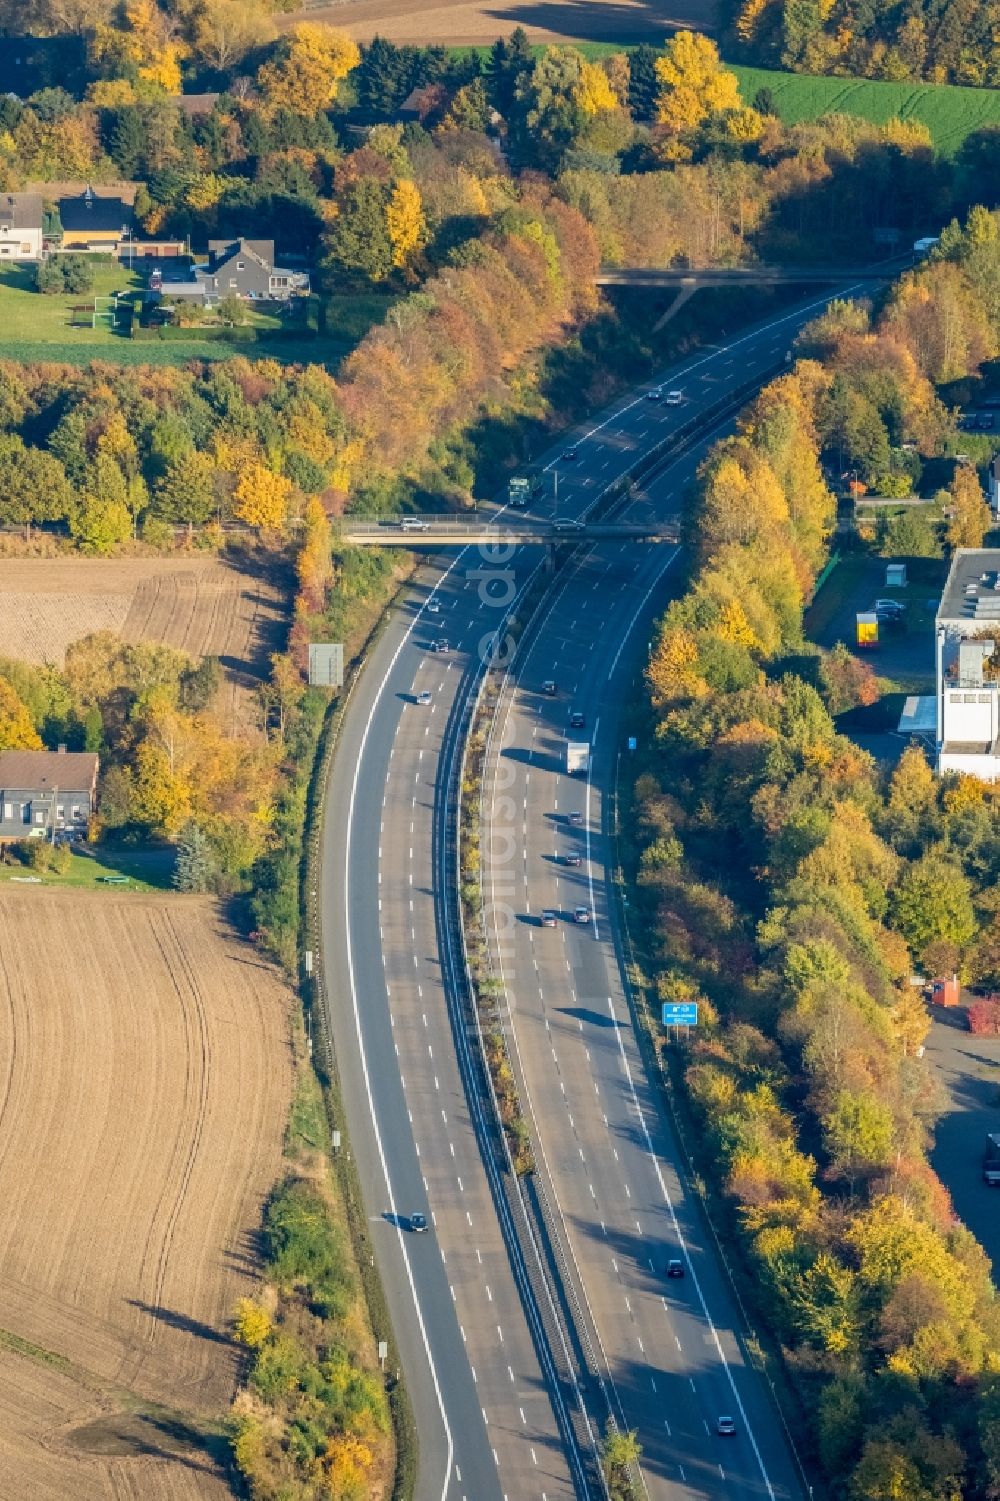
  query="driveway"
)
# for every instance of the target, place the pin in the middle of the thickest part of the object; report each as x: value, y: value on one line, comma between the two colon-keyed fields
x: 968, y: 1070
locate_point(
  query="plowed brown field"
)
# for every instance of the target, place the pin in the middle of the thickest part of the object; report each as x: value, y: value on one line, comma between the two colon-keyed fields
x: 206, y: 606
x: 145, y: 1076
x: 460, y: 23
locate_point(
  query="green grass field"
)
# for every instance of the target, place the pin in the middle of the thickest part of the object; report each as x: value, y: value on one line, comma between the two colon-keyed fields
x: 950, y: 113
x: 144, y: 870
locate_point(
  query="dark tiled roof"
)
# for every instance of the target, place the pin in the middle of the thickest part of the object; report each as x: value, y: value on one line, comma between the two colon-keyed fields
x: 41, y: 770
x: 98, y: 215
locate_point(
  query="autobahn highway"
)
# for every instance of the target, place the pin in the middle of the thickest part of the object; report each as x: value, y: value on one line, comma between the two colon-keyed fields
x: 669, y: 1354
x: 494, y: 1415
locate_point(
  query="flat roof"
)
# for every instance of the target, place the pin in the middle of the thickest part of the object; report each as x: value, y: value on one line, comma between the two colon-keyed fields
x: 972, y: 588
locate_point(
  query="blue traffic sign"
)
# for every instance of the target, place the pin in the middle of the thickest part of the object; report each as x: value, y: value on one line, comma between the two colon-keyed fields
x: 680, y: 1014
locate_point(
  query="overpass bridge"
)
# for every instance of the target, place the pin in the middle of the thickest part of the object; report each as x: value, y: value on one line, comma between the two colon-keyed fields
x: 461, y: 531
x: 686, y: 281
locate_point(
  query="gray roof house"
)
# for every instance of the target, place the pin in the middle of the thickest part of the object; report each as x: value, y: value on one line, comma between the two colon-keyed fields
x: 21, y: 226
x: 238, y: 268
x: 45, y: 790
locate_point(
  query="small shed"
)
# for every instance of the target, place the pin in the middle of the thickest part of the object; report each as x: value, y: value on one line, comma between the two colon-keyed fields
x: 895, y: 575
x: 867, y: 628
x: 946, y: 991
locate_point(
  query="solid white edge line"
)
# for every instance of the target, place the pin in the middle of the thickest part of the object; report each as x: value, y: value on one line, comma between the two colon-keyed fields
x: 361, y: 1045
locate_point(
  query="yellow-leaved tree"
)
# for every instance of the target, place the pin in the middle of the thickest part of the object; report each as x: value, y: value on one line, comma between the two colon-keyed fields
x: 17, y: 732
x: 693, y: 83
x: 252, y: 1324
x: 593, y: 93
x: 305, y: 77
x: 404, y: 214
x: 261, y: 497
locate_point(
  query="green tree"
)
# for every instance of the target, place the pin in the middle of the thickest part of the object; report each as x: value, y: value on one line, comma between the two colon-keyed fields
x: 933, y: 903
x: 358, y: 245
x: 549, y: 115
x: 643, y: 85
x: 859, y: 1134
x: 195, y: 868
x: 100, y: 526
x: 620, y: 1452
x: 186, y: 494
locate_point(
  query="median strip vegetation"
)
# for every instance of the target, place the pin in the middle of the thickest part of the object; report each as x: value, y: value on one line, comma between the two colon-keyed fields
x: 788, y: 884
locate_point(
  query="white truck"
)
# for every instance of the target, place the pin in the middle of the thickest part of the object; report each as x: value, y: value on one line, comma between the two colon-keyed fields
x: 577, y: 757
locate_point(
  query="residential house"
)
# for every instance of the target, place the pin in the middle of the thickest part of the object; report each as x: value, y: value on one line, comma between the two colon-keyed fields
x: 20, y: 226
x: 96, y: 219
x: 968, y: 664
x: 238, y: 268
x: 42, y: 792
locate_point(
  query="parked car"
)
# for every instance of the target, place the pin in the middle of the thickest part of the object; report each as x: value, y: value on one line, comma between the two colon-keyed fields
x: 674, y: 398
x: 423, y: 697
x: 581, y: 915
x: 889, y: 609
x: 418, y: 1224
x: 675, y: 1267
x: 548, y: 918
x: 549, y: 687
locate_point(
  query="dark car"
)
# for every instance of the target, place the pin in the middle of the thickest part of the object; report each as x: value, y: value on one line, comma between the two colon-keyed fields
x: 725, y: 1425
x: 573, y: 860
x: 576, y: 720
x: 441, y: 645
x: 549, y: 687
x: 548, y: 918
x: 418, y: 1224
x: 574, y: 818
x: 569, y: 454
x: 675, y: 1267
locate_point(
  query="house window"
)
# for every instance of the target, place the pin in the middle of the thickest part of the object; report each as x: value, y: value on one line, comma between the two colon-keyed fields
x: 40, y: 815
x: 60, y: 811
x: 25, y: 248
x: 280, y: 281
x: 233, y: 283
x: 8, y: 812
x: 240, y: 266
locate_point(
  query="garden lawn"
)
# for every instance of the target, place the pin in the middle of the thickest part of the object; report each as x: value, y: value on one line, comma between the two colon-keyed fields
x: 31, y: 317
x: 144, y: 870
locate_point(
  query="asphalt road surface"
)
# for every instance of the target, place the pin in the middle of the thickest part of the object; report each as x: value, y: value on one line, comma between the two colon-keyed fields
x: 490, y: 1416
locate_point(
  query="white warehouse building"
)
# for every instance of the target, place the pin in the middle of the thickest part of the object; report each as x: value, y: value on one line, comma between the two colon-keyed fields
x: 968, y: 661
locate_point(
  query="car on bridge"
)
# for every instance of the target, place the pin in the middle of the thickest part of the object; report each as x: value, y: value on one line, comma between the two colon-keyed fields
x: 414, y: 524
x: 566, y: 524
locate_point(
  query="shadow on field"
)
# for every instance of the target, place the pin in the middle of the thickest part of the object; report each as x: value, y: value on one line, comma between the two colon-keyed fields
x: 182, y: 1321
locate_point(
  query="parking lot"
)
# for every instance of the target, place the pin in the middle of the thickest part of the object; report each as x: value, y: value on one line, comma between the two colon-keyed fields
x: 968, y: 1071
x: 904, y: 656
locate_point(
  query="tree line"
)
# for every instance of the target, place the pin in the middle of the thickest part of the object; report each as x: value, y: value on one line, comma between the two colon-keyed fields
x: 792, y: 886
x: 942, y: 41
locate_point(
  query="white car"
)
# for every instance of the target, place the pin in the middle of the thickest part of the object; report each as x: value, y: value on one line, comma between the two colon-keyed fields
x: 433, y: 608
x: 423, y: 697
x: 674, y: 398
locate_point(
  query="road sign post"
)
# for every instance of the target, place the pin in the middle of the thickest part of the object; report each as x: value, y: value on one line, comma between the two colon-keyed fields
x: 680, y: 1014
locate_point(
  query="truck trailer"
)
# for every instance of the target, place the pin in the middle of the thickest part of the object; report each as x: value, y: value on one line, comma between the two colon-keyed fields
x: 991, y: 1160
x: 577, y: 757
